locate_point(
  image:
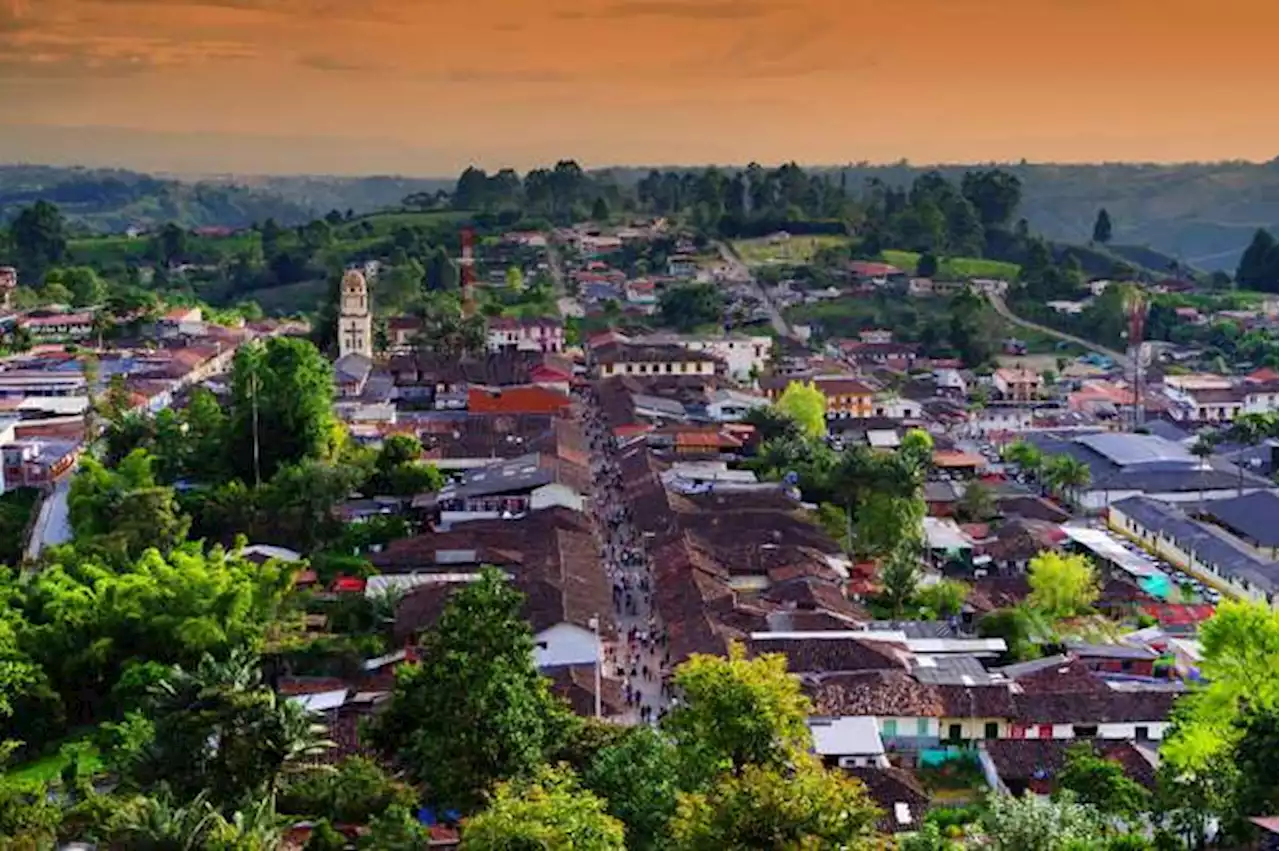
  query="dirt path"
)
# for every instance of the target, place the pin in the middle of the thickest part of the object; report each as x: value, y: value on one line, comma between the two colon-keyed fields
x: 1122, y: 361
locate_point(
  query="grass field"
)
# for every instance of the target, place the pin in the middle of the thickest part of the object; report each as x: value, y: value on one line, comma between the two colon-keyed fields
x: 48, y: 767
x: 797, y: 250
x: 955, y: 268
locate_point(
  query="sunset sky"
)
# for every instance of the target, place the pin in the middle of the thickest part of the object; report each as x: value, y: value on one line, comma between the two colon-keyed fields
x: 428, y: 86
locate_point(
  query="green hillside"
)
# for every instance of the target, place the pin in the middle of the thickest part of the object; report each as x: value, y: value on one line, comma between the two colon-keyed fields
x: 112, y: 200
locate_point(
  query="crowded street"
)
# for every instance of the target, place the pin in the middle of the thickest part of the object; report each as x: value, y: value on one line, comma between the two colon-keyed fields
x: 638, y: 658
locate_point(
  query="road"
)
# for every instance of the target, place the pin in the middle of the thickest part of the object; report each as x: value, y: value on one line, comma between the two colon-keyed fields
x: 565, y: 303
x: 740, y: 273
x: 53, y: 523
x: 1121, y: 361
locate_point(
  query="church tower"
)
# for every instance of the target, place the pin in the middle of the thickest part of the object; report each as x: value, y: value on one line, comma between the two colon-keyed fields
x: 355, y: 318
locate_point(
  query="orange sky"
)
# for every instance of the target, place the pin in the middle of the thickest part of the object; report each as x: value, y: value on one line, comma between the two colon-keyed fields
x: 426, y: 86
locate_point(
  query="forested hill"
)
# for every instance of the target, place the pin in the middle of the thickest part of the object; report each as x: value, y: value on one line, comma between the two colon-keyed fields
x: 1200, y: 214
x: 113, y: 200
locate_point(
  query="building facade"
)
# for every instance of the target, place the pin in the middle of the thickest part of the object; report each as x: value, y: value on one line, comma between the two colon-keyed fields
x: 355, y: 317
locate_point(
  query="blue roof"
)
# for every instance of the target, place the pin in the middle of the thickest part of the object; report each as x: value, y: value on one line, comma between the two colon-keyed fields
x: 1127, y: 449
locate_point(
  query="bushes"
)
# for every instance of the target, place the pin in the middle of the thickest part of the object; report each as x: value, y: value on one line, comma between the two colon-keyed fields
x: 354, y: 794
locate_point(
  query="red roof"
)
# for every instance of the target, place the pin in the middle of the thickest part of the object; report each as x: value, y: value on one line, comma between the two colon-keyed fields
x: 865, y: 269
x: 305, y: 577
x: 348, y: 585
x: 515, y: 400
x: 1263, y: 375
x: 1177, y: 614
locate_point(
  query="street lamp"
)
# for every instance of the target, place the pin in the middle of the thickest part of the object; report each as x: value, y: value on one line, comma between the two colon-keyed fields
x: 594, y: 623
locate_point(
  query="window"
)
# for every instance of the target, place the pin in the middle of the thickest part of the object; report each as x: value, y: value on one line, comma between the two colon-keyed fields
x: 670, y: 367
x: 991, y: 730
x: 1084, y: 731
x: 922, y: 726
x: 890, y: 727
x: 953, y: 732
x: 1142, y: 734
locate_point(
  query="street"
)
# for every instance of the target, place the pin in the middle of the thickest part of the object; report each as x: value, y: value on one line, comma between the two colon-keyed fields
x: 739, y: 272
x: 53, y: 523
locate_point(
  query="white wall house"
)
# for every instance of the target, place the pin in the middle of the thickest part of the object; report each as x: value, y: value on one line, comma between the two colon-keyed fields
x: 565, y: 644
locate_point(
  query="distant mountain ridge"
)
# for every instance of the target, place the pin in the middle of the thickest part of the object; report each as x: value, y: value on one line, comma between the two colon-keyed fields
x: 1202, y: 214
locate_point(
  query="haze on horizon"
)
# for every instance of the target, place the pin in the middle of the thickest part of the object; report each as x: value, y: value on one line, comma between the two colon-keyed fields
x: 426, y: 87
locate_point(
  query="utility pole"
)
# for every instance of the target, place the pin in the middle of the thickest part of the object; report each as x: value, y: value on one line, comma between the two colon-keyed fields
x: 594, y: 623
x: 253, y: 396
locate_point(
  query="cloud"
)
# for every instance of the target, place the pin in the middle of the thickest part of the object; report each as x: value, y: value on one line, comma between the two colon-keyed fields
x: 50, y: 54
x: 500, y: 76
x: 689, y: 10
x: 320, y: 62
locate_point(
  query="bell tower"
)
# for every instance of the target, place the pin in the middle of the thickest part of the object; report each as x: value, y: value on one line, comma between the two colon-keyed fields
x: 355, y: 318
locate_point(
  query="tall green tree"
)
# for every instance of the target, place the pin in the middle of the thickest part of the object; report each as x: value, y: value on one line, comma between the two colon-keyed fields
x: 1102, y: 227
x: 806, y: 406
x: 737, y: 712
x: 474, y: 711
x: 547, y: 811
x: 1062, y: 585
x: 687, y: 306
x: 1101, y: 783
x: 638, y: 777
x: 281, y: 408
x: 39, y: 238
x: 775, y: 808
x: 1258, y: 265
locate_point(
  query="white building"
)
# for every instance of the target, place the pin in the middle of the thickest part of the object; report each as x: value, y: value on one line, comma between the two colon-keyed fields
x: 355, y: 317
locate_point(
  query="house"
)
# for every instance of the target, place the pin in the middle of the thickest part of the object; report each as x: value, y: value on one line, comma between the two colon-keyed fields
x: 1135, y: 660
x: 1205, y: 398
x: 848, y: 742
x: 846, y: 396
x: 1261, y: 392
x: 626, y: 358
x: 1201, y: 549
x: 351, y: 372
x: 743, y: 356
x: 402, y: 330
x: 513, y: 487
x: 1250, y: 518
x: 45, y: 326
x: 879, y: 274
x: 531, y: 335
x: 875, y: 336
x: 726, y: 405
x: 682, y: 265
x: 38, y: 462
x: 878, y: 354
x: 642, y: 292
x: 1020, y: 385
x: 1018, y: 766
x: 181, y: 321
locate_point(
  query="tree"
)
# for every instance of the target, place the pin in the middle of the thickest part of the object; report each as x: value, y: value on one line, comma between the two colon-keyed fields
x: 1062, y: 585
x: 38, y: 235
x: 1032, y: 823
x: 737, y: 712
x: 995, y: 194
x: 687, y: 306
x: 220, y: 732
x: 401, y: 285
x: 357, y: 791
x: 169, y: 247
x: 1018, y: 627
x: 944, y: 598
x: 600, y: 210
x: 549, y: 811
x: 806, y: 405
x: 1102, y: 227
x: 1026, y: 456
x: 885, y: 523
x: 1066, y: 475
x: 977, y: 504
x: 899, y: 577
x: 1258, y: 265
x: 515, y: 279
x: 777, y: 808
x: 638, y: 779
x: 124, y: 511
x: 281, y: 409
x: 1249, y: 430
x: 927, y: 267
x: 396, y: 830
x: 81, y: 282
x: 474, y: 710
x: 1101, y: 783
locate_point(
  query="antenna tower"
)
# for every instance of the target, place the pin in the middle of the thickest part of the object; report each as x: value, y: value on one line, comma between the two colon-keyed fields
x: 467, y: 273
x: 1136, y: 311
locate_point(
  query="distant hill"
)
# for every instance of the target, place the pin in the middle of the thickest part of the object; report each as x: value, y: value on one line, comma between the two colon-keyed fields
x: 320, y: 193
x: 1202, y: 215
x: 112, y: 200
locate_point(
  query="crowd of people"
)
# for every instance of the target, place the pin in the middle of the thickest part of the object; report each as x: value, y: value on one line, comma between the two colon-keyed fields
x: 639, y: 658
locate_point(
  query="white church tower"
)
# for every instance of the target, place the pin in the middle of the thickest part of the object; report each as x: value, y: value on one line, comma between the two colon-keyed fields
x: 355, y: 317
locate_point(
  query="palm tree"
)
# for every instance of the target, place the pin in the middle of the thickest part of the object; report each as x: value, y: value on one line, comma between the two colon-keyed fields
x: 1249, y: 430
x: 1026, y: 457
x: 1066, y: 475
x: 1203, y: 449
